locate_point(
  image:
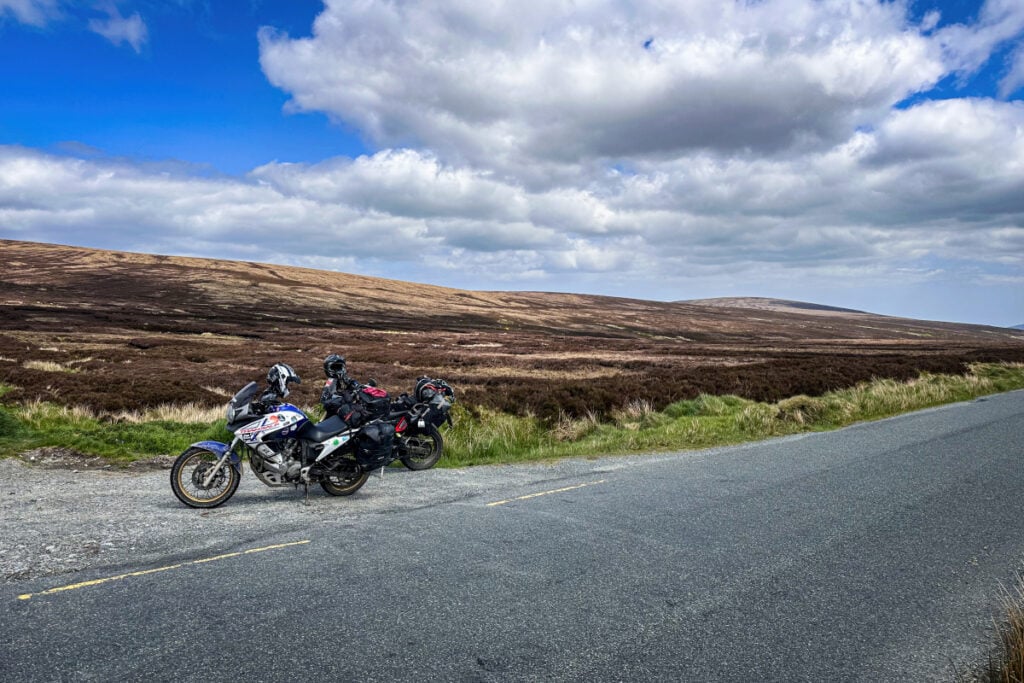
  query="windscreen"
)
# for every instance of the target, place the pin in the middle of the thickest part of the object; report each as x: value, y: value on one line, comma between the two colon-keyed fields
x: 246, y: 394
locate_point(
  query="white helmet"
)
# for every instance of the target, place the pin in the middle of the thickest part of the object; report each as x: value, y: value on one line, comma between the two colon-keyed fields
x: 279, y: 376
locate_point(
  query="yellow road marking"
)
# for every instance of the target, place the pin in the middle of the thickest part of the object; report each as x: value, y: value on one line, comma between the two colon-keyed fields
x: 96, y: 582
x: 547, y: 493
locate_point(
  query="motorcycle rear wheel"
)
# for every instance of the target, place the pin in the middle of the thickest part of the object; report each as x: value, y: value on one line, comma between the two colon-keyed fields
x: 343, y: 483
x: 190, y: 470
x: 422, y: 450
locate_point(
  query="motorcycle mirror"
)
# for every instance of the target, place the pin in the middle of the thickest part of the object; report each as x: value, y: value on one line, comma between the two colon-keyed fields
x: 371, y: 382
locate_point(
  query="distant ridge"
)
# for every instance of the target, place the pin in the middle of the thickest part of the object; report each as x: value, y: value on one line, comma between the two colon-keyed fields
x: 769, y: 304
x: 54, y: 287
x: 1017, y: 327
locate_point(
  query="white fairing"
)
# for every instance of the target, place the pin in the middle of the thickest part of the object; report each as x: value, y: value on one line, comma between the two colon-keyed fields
x: 334, y: 443
x: 255, y: 432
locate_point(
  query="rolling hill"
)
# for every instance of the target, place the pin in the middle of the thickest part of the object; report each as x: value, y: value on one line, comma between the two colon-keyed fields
x: 115, y: 330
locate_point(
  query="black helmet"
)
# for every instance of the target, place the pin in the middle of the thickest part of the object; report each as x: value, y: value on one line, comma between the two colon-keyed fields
x: 425, y: 389
x: 334, y: 366
x: 279, y: 376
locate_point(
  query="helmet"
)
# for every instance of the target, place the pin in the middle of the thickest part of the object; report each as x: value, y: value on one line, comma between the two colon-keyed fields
x: 334, y: 366
x: 425, y: 389
x: 279, y: 376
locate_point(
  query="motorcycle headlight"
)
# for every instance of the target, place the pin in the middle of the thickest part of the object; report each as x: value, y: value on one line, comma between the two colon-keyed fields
x: 235, y: 413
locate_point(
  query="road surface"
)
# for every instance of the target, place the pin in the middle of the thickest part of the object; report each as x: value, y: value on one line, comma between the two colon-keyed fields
x: 872, y: 553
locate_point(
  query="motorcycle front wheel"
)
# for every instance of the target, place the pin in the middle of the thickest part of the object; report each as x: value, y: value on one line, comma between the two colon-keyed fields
x: 188, y: 477
x: 421, y: 451
x: 344, y: 483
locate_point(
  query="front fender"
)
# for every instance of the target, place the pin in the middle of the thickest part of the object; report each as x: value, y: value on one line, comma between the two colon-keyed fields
x: 219, y: 449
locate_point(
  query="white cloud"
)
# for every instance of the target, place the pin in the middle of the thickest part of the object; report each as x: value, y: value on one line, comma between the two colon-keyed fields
x: 635, y: 148
x: 966, y: 48
x: 1013, y: 81
x: 32, y: 12
x: 507, y: 86
x: 119, y: 29
x: 940, y: 182
x: 115, y: 27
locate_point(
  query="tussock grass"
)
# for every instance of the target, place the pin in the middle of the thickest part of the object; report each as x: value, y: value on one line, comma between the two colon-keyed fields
x: 706, y: 421
x: 1007, y: 664
x: 39, y: 412
x: 485, y: 436
x: 568, y: 428
x: 47, y: 366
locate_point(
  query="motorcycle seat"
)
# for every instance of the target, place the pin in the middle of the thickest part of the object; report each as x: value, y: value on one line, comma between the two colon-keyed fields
x: 321, y: 431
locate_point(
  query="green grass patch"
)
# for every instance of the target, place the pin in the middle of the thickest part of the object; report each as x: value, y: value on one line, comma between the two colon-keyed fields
x: 45, y: 425
x: 708, y: 421
x: 484, y: 436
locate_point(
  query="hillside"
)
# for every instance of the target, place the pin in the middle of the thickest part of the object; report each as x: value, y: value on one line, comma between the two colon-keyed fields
x: 118, y: 330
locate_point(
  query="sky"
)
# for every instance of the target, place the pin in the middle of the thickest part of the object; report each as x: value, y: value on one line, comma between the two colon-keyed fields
x: 854, y: 153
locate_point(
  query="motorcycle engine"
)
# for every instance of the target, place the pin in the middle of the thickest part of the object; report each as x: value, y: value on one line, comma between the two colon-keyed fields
x: 279, y: 460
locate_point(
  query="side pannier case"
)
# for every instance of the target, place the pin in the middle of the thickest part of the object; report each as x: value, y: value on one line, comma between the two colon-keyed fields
x: 374, y: 444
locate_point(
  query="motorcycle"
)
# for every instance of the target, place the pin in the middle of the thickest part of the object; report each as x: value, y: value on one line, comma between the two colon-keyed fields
x: 417, y: 418
x: 285, y: 448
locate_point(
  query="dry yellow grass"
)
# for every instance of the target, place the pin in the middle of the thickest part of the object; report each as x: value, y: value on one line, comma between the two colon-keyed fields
x: 189, y: 413
x: 541, y: 373
x: 46, y: 366
x: 573, y: 429
x: 1007, y: 665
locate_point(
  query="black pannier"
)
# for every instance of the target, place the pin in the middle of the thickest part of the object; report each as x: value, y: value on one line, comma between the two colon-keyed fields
x: 374, y: 444
x: 376, y: 403
x: 355, y: 404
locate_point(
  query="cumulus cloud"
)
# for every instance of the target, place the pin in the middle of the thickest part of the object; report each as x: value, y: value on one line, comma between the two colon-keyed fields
x: 119, y: 29
x: 509, y: 84
x: 942, y: 180
x: 596, y: 145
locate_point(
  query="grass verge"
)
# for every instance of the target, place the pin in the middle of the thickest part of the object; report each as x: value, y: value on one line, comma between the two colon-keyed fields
x: 483, y: 436
x: 707, y: 421
x: 1007, y: 663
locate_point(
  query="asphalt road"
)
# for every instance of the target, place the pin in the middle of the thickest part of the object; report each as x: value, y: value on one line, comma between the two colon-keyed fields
x: 874, y: 553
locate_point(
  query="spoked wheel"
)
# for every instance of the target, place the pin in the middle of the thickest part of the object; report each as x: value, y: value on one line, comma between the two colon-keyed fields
x: 188, y: 479
x: 344, y: 482
x: 422, y: 451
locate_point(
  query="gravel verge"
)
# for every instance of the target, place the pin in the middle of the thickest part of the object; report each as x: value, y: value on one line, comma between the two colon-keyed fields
x: 63, y: 513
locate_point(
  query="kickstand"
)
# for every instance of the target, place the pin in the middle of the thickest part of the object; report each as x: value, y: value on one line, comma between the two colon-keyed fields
x: 381, y: 475
x: 305, y: 485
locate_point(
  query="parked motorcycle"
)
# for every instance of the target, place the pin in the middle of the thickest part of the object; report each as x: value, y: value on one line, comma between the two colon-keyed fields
x: 425, y: 411
x: 285, y: 448
x: 417, y: 418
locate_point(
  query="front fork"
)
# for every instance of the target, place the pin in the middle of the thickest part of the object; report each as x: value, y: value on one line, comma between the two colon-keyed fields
x: 208, y: 480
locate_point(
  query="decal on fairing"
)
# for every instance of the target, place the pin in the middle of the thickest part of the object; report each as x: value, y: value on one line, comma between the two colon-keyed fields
x: 254, y: 432
x: 332, y: 444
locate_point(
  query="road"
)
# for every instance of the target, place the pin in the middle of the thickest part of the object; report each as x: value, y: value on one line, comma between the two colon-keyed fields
x: 873, y: 553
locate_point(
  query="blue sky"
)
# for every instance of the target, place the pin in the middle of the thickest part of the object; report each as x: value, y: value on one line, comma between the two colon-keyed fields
x: 858, y: 154
x: 193, y: 92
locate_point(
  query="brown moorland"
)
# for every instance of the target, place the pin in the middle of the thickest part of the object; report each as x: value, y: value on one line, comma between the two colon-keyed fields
x: 122, y: 331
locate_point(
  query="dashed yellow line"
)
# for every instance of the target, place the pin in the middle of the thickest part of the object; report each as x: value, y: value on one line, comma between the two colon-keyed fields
x: 96, y: 582
x: 547, y: 493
